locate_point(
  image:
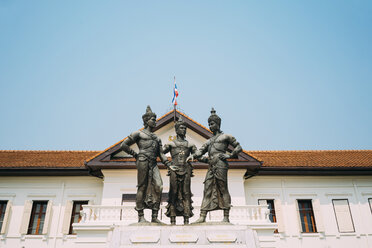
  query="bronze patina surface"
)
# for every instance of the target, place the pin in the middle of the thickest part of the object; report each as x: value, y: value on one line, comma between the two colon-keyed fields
x: 180, y: 173
x: 150, y: 184
x: 216, y: 194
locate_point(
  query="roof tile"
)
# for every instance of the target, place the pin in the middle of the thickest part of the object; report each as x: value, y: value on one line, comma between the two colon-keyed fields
x: 75, y: 159
x: 44, y: 159
x: 322, y: 158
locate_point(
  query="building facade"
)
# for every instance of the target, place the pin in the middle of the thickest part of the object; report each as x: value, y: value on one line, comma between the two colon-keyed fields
x: 285, y: 198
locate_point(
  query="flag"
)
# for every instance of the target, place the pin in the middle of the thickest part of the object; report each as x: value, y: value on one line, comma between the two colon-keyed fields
x: 175, y: 93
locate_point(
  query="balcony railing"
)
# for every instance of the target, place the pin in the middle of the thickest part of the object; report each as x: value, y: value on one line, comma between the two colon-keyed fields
x: 246, y: 214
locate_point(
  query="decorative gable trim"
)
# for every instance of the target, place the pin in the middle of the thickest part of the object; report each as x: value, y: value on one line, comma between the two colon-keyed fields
x: 104, y: 159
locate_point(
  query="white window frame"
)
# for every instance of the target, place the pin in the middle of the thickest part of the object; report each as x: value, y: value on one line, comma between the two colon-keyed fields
x: 319, y: 226
x: 26, y: 217
x: 68, y: 209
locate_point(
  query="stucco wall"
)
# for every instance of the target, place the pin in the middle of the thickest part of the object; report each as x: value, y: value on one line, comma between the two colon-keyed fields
x: 59, y: 190
x: 287, y: 189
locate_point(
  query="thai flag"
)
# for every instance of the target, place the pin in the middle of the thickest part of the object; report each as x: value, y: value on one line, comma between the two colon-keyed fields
x: 175, y: 93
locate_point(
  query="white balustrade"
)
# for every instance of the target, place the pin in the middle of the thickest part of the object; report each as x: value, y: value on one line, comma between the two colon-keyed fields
x: 246, y: 214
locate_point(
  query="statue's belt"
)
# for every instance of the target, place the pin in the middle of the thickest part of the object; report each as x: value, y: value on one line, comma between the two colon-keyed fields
x: 214, y: 159
x: 145, y: 156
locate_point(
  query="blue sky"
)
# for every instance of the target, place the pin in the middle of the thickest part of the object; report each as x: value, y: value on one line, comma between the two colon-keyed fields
x: 283, y: 75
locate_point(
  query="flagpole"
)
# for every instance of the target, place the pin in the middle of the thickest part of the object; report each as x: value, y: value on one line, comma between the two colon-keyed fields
x: 174, y: 105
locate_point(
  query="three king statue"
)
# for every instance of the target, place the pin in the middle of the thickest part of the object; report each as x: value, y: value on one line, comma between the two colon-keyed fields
x: 150, y: 185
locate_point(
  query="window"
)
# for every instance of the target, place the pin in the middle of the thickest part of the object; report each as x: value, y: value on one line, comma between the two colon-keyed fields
x: 305, y: 209
x: 75, y: 215
x: 37, y: 217
x: 2, y: 212
x: 271, y: 206
x: 343, y: 215
x: 128, y: 198
x: 270, y: 203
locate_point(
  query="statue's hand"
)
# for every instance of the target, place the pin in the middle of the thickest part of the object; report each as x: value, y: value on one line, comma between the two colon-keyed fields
x: 223, y: 156
x: 191, y: 157
x: 135, y: 155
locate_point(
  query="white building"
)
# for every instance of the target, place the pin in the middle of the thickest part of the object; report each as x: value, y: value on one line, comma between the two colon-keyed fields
x: 316, y: 198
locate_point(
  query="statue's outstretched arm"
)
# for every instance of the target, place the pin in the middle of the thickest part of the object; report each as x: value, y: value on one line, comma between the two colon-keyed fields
x: 162, y: 156
x: 166, y: 148
x: 193, y: 150
x: 130, y: 140
x: 203, y: 149
x: 198, y: 154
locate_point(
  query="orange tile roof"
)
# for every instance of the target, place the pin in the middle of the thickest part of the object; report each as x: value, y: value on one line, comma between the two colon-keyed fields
x: 44, y: 159
x: 285, y: 159
x: 325, y: 158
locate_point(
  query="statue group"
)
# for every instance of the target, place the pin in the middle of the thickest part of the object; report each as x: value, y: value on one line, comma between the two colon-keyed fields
x: 150, y: 185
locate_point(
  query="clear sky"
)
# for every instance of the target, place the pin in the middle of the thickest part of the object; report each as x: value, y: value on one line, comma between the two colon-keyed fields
x: 283, y: 75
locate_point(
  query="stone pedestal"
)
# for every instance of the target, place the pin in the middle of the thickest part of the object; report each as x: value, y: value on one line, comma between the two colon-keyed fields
x: 116, y: 227
x: 201, y: 235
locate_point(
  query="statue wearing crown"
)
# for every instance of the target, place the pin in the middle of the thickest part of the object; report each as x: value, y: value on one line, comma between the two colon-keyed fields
x: 150, y: 184
x: 180, y: 173
x: 216, y: 194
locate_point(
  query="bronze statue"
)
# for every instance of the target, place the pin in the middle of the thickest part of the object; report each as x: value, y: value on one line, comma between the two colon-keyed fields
x: 216, y: 195
x: 150, y: 184
x: 180, y: 173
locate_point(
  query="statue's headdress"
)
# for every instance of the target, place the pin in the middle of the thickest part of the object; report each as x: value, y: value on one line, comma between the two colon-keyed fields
x: 148, y: 115
x: 214, y: 117
x: 179, y: 123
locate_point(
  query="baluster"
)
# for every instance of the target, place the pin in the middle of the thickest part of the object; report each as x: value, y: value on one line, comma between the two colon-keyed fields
x: 90, y: 214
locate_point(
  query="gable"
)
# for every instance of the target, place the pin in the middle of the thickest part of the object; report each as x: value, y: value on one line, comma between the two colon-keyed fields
x: 114, y: 158
x: 166, y: 135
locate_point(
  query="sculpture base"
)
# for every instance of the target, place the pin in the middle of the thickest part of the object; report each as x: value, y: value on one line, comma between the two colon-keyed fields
x: 116, y: 226
x: 198, y: 235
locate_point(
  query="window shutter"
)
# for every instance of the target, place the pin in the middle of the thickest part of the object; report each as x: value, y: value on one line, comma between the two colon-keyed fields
x: 26, y: 217
x: 343, y: 216
x: 48, y: 216
x: 67, y: 217
x: 298, y: 217
x: 279, y: 215
x: 318, y: 215
x: 6, y: 216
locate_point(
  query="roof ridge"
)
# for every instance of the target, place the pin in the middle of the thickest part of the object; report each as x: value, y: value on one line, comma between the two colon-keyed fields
x: 165, y: 114
x: 183, y: 114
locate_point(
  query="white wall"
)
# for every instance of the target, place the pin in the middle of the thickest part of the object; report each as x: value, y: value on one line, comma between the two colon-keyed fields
x: 56, y: 189
x: 118, y: 182
x: 109, y: 191
x: 290, y: 188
